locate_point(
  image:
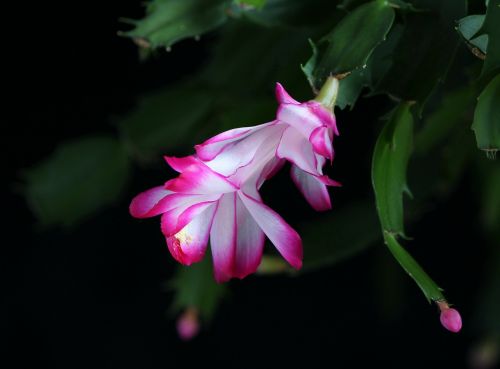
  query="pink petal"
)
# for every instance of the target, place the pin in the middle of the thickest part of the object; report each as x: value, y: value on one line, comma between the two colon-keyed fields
x: 149, y: 203
x: 311, y: 187
x: 200, y: 179
x: 249, y: 244
x: 180, y: 164
x: 321, y: 140
x: 236, y: 240
x: 213, y: 146
x: 328, y: 181
x: 189, y: 244
x: 243, y: 152
x: 223, y: 237
x: 284, y: 237
x: 266, y: 152
x: 297, y: 149
x: 193, y: 212
x: 182, y: 200
x: 282, y: 96
x: 299, y: 117
x: 173, y: 220
x: 324, y: 115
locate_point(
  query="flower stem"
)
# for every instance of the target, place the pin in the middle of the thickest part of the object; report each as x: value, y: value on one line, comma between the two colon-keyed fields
x: 328, y: 93
x: 426, y: 284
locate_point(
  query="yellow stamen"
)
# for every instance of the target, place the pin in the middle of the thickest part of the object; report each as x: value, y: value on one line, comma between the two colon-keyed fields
x: 183, y: 237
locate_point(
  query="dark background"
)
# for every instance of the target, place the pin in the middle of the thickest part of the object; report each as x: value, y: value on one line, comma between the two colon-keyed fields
x: 93, y: 297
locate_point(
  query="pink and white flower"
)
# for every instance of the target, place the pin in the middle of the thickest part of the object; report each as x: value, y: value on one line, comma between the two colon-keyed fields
x: 216, y: 193
x: 219, y: 199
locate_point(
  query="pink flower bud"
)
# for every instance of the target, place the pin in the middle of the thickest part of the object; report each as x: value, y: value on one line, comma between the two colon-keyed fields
x: 450, y: 318
x: 188, y: 325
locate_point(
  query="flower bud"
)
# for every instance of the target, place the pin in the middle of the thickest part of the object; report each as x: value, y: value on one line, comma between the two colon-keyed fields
x: 450, y: 318
x: 188, y: 324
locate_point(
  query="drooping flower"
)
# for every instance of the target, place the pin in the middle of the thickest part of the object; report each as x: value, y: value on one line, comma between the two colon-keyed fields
x: 216, y: 194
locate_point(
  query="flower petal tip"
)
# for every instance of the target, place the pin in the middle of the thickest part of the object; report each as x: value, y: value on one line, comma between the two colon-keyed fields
x: 221, y: 278
x: 324, y: 207
x: 133, y: 208
x: 179, y: 164
x: 148, y: 203
x: 329, y: 182
x: 296, y: 264
x: 282, y: 96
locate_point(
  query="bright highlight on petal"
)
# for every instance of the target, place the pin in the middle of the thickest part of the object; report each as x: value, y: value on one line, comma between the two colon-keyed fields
x: 223, y: 238
x: 284, y: 237
x: 182, y: 209
x: 299, y: 117
x: 209, y: 149
x: 188, y: 245
x: 249, y: 243
x: 297, y: 149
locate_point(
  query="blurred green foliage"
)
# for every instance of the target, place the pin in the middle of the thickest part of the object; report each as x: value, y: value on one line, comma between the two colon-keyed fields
x: 490, y: 27
x: 76, y: 180
x: 169, y: 21
x: 424, y: 52
x: 194, y: 287
x: 487, y: 118
x: 147, y: 131
x: 468, y: 27
x: 343, y: 239
x: 444, y: 120
x: 252, y: 3
x: 406, y: 51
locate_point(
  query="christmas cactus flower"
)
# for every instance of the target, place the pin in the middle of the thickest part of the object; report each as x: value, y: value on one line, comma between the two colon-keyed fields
x: 216, y: 193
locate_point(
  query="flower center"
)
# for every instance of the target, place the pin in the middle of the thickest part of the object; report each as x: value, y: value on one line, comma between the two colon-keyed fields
x: 182, y: 238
